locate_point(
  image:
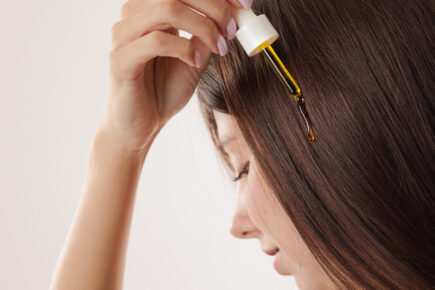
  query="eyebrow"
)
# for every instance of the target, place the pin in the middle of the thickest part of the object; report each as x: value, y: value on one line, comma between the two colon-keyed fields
x: 221, y: 144
x: 225, y: 140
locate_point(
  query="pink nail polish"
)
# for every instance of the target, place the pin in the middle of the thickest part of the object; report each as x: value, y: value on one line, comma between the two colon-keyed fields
x: 246, y: 3
x: 231, y: 29
x: 222, y: 45
x: 198, y: 59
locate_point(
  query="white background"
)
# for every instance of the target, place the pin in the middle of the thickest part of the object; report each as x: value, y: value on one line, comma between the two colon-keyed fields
x: 53, y: 86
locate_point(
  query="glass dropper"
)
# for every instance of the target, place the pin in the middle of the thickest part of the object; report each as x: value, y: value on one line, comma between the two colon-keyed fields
x: 256, y: 34
x: 289, y: 83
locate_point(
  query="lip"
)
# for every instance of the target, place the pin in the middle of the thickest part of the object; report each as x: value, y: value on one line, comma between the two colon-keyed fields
x: 271, y: 252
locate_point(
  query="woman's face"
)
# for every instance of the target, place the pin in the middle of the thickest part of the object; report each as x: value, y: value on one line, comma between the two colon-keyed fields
x: 259, y: 215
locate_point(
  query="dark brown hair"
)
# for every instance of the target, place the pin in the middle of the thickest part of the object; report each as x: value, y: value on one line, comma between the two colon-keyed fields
x: 360, y: 196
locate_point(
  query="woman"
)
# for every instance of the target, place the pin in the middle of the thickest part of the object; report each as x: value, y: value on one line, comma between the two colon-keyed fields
x: 352, y: 210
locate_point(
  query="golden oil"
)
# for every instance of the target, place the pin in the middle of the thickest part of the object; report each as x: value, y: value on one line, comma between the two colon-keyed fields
x: 289, y: 83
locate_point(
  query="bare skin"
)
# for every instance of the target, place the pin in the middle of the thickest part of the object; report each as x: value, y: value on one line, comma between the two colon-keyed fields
x: 153, y: 76
x: 259, y: 215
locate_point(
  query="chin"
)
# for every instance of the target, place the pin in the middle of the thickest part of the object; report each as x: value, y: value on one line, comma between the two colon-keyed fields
x: 312, y: 285
x: 279, y: 265
x: 284, y: 273
x: 281, y: 270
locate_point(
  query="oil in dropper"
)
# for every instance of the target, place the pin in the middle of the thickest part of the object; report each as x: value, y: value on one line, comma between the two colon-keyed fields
x: 288, y: 82
x: 256, y: 34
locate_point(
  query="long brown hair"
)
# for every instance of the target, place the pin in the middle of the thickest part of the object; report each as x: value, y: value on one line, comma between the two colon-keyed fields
x: 360, y: 196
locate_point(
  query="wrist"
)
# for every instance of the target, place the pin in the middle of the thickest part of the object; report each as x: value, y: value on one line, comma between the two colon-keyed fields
x: 119, y: 141
x: 107, y: 141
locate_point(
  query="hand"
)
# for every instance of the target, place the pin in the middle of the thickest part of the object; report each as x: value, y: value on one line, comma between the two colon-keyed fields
x: 153, y: 71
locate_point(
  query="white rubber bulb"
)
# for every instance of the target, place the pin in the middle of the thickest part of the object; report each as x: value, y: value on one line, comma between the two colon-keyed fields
x: 253, y: 30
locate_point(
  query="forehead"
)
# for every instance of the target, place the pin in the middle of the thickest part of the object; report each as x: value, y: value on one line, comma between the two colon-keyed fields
x: 226, y: 125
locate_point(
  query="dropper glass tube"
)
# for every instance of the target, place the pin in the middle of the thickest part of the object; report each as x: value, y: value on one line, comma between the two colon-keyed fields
x: 288, y: 82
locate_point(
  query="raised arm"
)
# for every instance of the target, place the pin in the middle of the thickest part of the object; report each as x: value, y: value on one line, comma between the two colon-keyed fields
x: 94, y: 253
x: 154, y: 73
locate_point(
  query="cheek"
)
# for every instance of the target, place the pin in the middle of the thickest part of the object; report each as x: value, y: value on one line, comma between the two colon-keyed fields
x: 258, y: 204
x: 270, y: 218
x: 265, y: 211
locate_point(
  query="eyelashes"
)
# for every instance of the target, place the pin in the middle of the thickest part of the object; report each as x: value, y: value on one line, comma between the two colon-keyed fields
x: 244, y: 170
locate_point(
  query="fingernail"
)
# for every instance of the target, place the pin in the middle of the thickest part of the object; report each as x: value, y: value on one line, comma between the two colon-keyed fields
x: 222, y: 45
x: 231, y: 29
x: 246, y: 3
x: 197, y: 59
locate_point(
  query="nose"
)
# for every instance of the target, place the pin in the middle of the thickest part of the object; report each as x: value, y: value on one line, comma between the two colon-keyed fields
x: 242, y: 226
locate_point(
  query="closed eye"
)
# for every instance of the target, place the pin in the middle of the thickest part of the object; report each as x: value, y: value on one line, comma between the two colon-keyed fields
x: 244, y: 170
